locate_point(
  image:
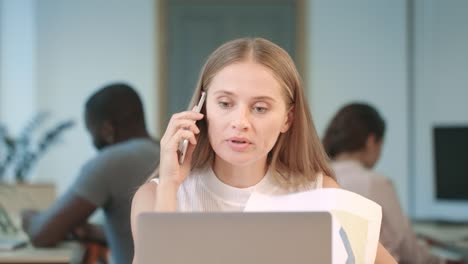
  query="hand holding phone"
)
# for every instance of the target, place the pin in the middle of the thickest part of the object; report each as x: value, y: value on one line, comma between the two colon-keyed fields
x: 183, y: 145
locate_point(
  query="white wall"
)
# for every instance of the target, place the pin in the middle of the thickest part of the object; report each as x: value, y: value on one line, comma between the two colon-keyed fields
x: 441, y: 92
x: 80, y: 46
x: 17, y: 63
x: 1, y: 58
x: 358, y: 52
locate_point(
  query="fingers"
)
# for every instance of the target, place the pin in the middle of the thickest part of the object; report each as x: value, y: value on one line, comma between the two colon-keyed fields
x: 184, y: 134
x: 181, y: 126
x: 172, y: 142
x: 188, y: 115
x: 184, y: 120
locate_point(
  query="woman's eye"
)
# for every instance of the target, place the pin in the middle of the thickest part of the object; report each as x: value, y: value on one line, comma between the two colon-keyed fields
x: 260, y: 109
x: 224, y: 104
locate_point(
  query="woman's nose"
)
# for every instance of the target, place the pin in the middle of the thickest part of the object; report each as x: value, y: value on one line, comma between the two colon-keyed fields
x: 241, y: 119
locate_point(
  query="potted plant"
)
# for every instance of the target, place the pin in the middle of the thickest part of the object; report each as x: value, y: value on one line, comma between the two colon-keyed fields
x: 23, y: 152
x: 18, y: 155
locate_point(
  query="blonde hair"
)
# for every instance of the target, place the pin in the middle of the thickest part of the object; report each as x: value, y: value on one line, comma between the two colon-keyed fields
x: 298, y: 154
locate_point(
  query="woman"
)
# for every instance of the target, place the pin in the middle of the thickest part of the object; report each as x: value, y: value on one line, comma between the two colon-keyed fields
x: 354, y: 140
x: 254, y: 132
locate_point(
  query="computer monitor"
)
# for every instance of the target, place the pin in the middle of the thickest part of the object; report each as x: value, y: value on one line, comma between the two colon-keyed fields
x: 451, y: 162
x: 237, y: 237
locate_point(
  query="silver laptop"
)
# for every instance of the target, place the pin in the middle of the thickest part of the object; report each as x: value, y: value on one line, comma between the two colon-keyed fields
x: 228, y: 238
x: 11, y: 237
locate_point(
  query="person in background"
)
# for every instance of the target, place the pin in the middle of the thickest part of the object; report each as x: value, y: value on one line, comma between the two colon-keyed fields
x: 254, y: 132
x: 354, y: 140
x: 126, y: 156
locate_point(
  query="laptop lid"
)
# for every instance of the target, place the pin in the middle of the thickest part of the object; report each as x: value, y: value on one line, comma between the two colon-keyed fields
x: 247, y: 238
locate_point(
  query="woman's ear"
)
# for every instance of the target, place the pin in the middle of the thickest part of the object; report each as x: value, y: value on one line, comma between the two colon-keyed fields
x: 288, y: 120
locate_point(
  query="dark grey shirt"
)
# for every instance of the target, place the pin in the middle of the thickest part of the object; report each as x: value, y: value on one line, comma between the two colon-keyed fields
x: 110, y: 180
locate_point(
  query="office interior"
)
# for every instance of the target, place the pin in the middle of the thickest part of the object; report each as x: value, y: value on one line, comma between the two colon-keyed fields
x: 406, y: 57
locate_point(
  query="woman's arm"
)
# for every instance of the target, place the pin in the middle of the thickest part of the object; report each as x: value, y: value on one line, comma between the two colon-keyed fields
x: 162, y: 196
x: 171, y: 174
x: 383, y: 257
x: 143, y: 201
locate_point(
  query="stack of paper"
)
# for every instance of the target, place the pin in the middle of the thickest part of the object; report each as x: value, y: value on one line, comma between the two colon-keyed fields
x: 356, y: 226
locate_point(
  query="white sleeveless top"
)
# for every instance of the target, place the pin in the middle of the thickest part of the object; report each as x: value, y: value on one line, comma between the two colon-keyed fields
x: 202, y: 191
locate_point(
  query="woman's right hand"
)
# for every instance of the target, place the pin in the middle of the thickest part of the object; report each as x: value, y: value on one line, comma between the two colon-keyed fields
x: 181, y: 126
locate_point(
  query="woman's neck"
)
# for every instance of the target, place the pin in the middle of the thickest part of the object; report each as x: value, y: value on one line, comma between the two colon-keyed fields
x: 239, y: 176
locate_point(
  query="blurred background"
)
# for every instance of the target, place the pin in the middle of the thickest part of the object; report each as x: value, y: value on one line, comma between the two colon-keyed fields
x: 407, y: 58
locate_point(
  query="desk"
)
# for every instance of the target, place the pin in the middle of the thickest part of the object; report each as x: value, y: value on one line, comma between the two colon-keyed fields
x: 453, y: 237
x: 68, y: 252
x: 16, y: 197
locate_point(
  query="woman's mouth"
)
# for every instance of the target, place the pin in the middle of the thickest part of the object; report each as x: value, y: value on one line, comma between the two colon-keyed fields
x: 239, y: 144
x: 239, y: 141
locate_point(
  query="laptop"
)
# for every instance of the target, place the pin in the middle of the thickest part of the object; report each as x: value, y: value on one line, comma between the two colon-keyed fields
x: 11, y: 237
x: 238, y: 237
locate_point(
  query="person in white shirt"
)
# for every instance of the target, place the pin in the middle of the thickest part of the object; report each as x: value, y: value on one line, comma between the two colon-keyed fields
x: 255, y: 132
x: 353, y: 140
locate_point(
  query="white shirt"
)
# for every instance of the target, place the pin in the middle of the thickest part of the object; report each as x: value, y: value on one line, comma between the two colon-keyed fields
x: 202, y: 191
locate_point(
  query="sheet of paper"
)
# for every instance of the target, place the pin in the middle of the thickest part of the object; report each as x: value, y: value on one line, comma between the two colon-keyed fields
x: 360, y: 218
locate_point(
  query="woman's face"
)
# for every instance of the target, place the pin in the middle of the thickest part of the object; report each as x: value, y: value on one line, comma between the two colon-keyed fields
x: 245, y: 112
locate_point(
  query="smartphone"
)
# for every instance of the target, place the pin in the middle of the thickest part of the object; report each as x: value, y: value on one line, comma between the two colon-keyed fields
x: 183, y: 145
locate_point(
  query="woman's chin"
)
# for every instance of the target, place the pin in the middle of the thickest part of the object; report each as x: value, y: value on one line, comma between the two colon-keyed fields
x: 239, y: 159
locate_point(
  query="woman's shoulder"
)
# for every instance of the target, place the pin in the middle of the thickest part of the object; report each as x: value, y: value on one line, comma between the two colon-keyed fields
x: 149, y: 186
x: 146, y: 192
x: 320, y: 180
x: 328, y: 182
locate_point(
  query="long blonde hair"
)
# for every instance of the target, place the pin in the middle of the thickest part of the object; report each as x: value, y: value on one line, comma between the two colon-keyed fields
x: 298, y: 155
